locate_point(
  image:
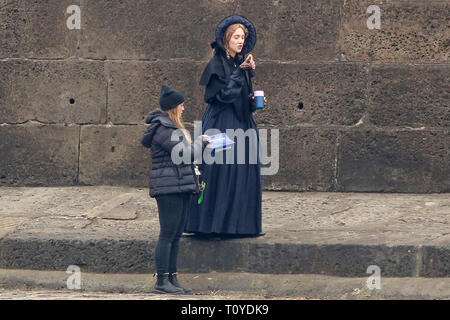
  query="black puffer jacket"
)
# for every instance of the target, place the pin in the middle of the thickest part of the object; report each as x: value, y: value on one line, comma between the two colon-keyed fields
x: 165, y: 176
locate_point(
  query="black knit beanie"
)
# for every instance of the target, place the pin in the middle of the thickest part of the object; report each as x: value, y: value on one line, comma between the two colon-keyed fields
x: 170, y: 98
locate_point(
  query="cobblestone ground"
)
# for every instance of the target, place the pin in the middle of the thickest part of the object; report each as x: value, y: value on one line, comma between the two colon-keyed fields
x: 43, y: 294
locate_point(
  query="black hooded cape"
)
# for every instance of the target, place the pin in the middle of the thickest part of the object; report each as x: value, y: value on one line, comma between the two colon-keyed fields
x: 232, y: 198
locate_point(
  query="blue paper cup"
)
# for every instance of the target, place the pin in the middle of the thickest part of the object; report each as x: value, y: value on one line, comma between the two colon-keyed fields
x: 259, y: 99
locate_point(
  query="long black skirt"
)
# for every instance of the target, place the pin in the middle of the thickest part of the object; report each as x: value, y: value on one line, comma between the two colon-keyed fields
x: 232, y: 197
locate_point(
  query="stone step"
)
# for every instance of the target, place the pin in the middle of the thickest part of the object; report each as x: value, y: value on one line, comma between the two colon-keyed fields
x: 237, y: 285
x: 233, y: 255
x: 115, y: 229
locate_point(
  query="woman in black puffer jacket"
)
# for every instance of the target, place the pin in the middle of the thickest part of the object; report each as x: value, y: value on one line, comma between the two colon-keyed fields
x: 172, y: 182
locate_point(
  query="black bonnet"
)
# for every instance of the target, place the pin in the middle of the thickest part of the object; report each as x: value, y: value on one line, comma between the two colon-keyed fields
x: 250, y: 41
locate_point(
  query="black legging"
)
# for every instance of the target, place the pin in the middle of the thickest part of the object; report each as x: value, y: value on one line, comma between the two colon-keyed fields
x: 173, y: 210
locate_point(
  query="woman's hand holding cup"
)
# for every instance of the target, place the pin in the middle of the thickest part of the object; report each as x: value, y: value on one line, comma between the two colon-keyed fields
x: 261, y: 99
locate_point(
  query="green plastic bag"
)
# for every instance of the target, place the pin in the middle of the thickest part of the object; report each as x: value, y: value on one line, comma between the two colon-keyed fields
x: 200, y: 200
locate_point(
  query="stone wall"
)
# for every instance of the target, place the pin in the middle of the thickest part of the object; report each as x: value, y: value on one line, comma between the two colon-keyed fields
x: 375, y: 114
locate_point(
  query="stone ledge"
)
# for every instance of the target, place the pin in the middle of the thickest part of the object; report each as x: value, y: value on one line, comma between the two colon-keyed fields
x: 238, y: 255
x: 224, y: 285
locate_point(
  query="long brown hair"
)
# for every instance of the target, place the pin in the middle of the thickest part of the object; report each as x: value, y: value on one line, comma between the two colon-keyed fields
x: 176, y: 118
x: 230, y: 30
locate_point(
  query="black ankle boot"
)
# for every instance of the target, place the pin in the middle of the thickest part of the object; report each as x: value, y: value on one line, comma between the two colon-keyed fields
x: 173, y: 280
x: 163, y: 285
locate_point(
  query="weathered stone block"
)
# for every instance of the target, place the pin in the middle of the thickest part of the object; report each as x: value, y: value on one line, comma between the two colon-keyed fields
x: 141, y: 30
x: 411, y: 95
x: 34, y: 29
x: 98, y: 255
x: 333, y: 259
x: 326, y: 93
x: 302, y: 30
x: 155, y: 29
x: 113, y: 155
x: 436, y: 261
x: 306, y: 160
x: 330, y: 93
x: 135, y: 87
x: 411, y: 30
x: 38, y: 155
x: 207, y: 256
x: 52, y: 91
x: 394, y: 161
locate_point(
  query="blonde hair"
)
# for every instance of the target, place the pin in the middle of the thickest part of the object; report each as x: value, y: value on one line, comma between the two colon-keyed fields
x: 175, y: 117
x: 230, y: 30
